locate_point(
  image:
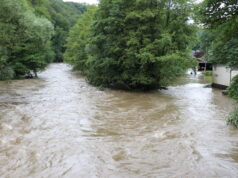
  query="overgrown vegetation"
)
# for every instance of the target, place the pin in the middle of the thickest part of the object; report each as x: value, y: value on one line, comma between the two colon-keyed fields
x: 233, y: 93
x: 33, y: 34
x: 78, y: 40
x: 25, y: 39
x: 134, y: 44
x: 233, y: 118
x: 220, y: 37
x: 63, y: 16
x: 233, y: 89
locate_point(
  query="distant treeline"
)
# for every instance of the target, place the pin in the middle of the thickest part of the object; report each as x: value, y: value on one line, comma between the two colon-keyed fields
x: 33, y: 33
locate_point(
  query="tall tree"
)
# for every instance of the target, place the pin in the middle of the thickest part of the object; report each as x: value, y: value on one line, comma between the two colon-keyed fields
x: 78, y: 40
x: 63, y: 16
x: 25, y: 38
x: 140, y: 44
x: 221, y: 18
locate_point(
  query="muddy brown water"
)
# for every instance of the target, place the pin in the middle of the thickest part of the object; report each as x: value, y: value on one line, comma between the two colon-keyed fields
x: 59, y: 126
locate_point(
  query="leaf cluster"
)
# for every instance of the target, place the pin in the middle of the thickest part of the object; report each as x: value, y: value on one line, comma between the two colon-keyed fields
x: 220, y: 37
x: 33, y: 33
x: 25, y: 39
x: 137, y: 44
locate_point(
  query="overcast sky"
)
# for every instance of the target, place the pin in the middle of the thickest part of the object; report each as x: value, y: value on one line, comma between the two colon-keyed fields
x: 86, y: 1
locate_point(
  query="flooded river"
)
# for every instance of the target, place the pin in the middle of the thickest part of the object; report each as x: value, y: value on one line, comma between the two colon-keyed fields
x: 59, y: 126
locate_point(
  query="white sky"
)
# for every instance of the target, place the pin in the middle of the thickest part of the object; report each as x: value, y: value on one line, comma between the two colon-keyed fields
x: 85, y: 1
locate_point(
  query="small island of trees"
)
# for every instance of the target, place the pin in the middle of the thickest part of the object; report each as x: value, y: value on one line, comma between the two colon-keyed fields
x: 130, y: 45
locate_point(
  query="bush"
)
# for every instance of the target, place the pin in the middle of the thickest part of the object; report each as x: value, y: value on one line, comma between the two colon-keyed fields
x: 233, y: 89
x: 6, y: 73
x: 233, y: 93
x: 233, y: 118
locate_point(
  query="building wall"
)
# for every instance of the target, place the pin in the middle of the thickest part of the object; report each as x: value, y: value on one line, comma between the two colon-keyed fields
x: 223, y: 75
x: 234, y: 73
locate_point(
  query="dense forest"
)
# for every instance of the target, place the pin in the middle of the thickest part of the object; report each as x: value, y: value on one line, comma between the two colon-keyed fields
x: 33, y: 33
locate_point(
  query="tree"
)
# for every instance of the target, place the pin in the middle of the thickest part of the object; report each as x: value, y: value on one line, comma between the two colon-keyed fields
x: 35, y: 51
x: 78, y: 39
x: 217, y: 12
x: 139, y: 44
x: 63, y: 16
x: 221, y: 18
x: 25, y: 39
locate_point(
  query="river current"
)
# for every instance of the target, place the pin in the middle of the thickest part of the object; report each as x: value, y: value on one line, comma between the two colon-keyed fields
x: 60, y: 126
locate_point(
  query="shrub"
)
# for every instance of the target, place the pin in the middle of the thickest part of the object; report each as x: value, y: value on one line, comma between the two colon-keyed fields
x: 233, y: 118
x: 233, y: 93
x: 6, y: 73
x: 233, y: 89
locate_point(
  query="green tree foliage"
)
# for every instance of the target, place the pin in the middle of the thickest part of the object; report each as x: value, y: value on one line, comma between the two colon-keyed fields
x: 220, y: 18
x: 233, y: 118
x: 76, y: 53
x: 40, y: 7
x: 217, y: 12
x: 233, y: 90
x: 139, y: 44
x: 33, y: 33
x: 63, y: 15
x: 205, y: 40
x: 233, y: 93
x: 25, y: 39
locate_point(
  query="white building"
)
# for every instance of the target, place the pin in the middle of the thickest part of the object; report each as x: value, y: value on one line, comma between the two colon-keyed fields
x: 222, y: 76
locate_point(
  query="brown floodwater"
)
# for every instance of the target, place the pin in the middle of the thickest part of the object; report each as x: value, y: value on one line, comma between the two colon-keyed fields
x: 60, y: 126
